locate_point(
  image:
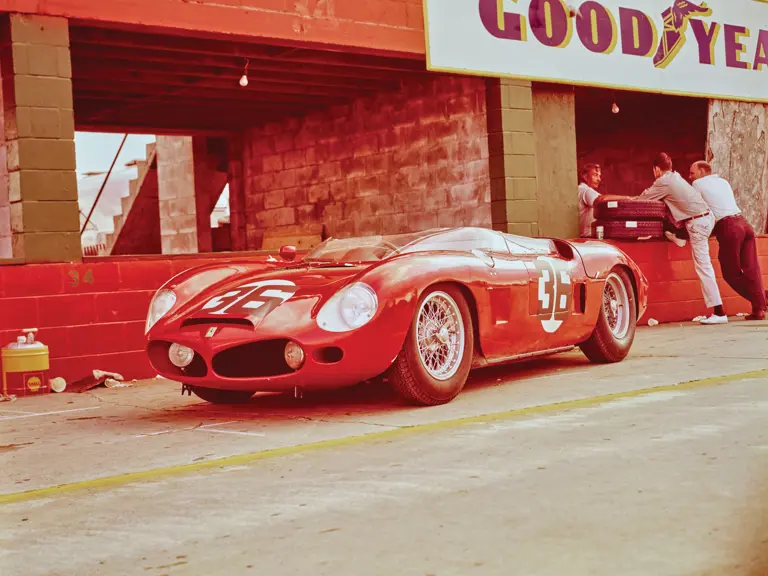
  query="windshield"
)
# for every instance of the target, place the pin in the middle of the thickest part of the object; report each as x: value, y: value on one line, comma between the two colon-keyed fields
x: 376, y: 248
x: 364, y: 249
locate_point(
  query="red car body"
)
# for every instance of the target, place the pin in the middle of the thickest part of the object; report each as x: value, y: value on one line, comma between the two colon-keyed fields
x: 528, y: 297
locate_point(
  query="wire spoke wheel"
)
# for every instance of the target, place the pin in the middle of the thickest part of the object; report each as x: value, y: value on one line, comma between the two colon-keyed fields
x: 616, y: 306
x: 440, y: 336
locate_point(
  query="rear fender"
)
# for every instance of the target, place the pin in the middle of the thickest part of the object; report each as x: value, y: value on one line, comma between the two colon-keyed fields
x: 600, y: 258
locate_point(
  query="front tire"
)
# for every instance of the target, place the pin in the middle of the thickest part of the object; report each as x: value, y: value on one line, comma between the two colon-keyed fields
x: 616, y: 322
x: 434, y: 363
x: 215, y: 396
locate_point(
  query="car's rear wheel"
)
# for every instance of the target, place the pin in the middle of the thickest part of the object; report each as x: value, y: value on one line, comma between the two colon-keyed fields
x: 434, y: 363
x: 215, y: 396
x: 616, y: 321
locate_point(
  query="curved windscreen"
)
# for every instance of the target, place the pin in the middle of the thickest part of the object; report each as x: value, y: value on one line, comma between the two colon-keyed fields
x: 376, y: 248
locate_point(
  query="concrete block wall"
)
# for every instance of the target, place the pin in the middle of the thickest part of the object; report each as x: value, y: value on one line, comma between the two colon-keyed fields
x: 512, y: 151
x: 398, y: 162
x: 38, y: 186
x: 176, y: 194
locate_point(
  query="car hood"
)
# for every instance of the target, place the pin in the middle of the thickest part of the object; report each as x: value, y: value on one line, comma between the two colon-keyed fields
x: 250, y: 297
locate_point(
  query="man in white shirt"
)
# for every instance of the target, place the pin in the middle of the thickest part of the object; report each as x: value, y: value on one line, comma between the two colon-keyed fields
x: 591, y: 177
x: 736, y: 237
x: 688, y: 208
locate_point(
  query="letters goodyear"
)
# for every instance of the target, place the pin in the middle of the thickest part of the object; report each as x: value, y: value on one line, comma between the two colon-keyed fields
x: 721, y: 45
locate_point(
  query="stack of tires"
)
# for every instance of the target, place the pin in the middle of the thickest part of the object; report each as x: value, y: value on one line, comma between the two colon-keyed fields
x: 630, y: 219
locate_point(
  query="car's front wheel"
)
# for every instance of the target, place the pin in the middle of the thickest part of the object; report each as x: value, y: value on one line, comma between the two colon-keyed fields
x: 434, y: 363
x: 215, y: 396
x: 616, y: 321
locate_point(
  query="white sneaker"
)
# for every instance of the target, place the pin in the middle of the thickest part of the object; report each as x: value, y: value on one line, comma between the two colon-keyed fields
x: 672, y: 238
x: 714, y: 319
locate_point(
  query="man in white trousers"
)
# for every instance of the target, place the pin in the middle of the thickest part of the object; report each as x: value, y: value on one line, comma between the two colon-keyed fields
x: 689, y: 208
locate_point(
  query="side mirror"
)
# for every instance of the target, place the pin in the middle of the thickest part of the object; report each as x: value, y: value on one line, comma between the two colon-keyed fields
x: 288, y: 253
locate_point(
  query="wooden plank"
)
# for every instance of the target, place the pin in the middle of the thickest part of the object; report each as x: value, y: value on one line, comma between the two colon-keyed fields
x: 97, y: 67
x: 123, y: 56
x: 159, y: 81
x: 303, y: 21
x: 179, y: 44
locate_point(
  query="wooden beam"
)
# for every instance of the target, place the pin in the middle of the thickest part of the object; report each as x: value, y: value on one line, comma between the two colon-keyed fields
x: 167, y: 43
x: 140, y: 90
x: 92, y: 52
x: 112, y: 101
x: 157, y: 129
x: 169, y: 117
x: 152, y: 80
x: 94, y: 67
x: 250, y: 37
x: 326, y: 23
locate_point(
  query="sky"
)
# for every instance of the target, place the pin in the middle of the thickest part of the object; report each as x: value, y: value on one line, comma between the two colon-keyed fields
x: 96, y: 151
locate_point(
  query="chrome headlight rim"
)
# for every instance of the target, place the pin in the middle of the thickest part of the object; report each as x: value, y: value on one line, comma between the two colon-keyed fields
x: 335, y: 317
x: 161, y: 304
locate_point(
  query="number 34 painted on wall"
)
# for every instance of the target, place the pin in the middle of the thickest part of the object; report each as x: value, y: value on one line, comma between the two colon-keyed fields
x: 74, y: 278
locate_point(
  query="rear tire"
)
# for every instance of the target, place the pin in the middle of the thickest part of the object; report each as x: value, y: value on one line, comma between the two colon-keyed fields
x: 630, y: 230
x: 616, y: 322
x: 215, y: 396
x: 434, y: 363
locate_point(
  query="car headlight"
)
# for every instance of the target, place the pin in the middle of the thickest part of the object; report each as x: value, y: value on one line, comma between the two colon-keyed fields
x: 161, y: 304
x: 349, y: 309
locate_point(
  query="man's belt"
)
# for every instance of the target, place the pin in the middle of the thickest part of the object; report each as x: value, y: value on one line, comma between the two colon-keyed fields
x: 707, y: 213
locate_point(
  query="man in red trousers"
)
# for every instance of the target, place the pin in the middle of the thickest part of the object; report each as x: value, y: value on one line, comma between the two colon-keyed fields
x: 736, y: 237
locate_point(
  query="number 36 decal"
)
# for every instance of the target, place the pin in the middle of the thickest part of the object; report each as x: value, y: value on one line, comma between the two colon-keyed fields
x: 255, y: 299
x: 554, y: 293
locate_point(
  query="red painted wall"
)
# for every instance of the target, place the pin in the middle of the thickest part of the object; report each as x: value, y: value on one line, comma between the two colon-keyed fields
x: 92, y: 315
x: 398, y: 162
x: 675, y: 292
x: 383, y: 26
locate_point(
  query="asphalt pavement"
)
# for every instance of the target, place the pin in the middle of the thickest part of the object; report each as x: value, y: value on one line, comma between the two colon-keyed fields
x: 655, y: 466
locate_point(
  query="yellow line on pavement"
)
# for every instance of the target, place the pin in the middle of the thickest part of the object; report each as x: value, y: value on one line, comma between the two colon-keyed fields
x: 243, y: 459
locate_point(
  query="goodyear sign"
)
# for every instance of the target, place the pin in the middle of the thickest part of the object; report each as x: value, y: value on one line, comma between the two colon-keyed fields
x: 715, y: 49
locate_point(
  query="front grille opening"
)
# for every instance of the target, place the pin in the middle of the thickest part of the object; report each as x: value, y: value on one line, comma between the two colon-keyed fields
x: 329, y: 355
x: 253, y: 360
x: 158, y: 357
x: 215, y: 321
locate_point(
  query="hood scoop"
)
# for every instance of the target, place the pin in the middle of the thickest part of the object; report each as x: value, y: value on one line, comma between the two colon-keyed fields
x: 208, y: 321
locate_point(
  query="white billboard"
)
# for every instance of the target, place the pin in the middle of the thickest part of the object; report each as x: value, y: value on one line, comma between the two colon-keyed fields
x: 715, y: 49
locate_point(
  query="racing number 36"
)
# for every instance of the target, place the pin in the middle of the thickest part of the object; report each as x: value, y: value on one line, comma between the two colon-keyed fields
x: 257, y: 299
x: 554, y: 292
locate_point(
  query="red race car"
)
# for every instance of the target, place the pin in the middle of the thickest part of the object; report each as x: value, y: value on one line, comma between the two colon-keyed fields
x: 424, y: 308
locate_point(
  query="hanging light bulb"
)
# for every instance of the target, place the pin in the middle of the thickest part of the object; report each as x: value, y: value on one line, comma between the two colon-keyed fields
x: 244, y: 77
x: 615, y: 108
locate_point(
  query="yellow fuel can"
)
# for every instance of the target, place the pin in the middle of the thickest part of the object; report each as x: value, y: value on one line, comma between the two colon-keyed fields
x: 25, y: 366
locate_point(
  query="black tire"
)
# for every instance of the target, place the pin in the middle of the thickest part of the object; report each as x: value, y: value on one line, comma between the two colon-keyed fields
x: 215, y: 396
x: 604, y: 346
x: 630, y: 210
x: 629, y: 230
x: 409, y: 377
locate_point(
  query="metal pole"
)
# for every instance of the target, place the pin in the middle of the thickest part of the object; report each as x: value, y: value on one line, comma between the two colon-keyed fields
x: 104, y: 184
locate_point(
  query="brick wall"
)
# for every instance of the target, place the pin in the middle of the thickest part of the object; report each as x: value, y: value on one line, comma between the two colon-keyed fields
x: 397, y: 162
x: 626, y: 143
